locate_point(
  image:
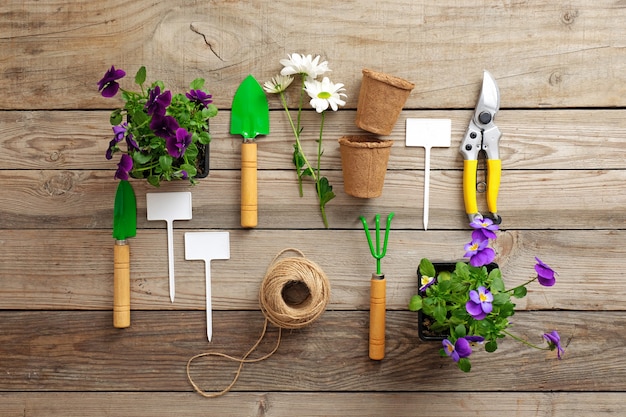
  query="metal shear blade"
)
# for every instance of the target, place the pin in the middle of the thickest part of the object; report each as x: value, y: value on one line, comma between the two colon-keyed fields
x: 483, y: 135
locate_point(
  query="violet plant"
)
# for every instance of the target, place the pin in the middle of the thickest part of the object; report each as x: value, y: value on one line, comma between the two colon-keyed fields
x: 161, y: 131
x: 323, y: 95
x: 471, y: 304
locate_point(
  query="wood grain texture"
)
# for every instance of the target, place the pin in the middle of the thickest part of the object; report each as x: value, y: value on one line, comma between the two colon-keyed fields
x: 81, y: 351
x: 559, y: 67
x: 564, y: 55
x: 78, y: 275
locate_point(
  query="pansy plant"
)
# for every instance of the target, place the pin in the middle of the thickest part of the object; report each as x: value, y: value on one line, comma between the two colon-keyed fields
x: 161, y: 131
x: 323, y: 95
x: 471, y: 305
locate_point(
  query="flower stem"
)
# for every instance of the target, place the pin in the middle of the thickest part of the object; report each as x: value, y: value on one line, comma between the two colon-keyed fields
x: 521, y: 285
x: 527, y: 343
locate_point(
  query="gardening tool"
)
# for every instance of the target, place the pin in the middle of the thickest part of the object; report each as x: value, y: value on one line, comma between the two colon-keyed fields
x: 206, y: 246
x: 249, y: 118
x: 169, y: 207
x: 483, y: 136
x: 378, y: 297
x: 124, y: 226
x: 428, y: 133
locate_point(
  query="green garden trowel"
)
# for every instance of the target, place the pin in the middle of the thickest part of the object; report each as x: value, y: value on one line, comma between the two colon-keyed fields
x: 124, y: 226
x: 249, y: 118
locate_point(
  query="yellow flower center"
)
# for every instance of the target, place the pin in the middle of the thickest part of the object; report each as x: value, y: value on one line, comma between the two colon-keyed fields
x: 425, y: 279
x: 482, y: 297
x: 450, y: 348
x: 474, y: 246
x: 325, y: 95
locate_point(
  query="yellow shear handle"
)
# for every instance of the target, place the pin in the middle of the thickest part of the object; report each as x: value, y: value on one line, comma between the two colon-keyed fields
x: 494, y: 171
x: 378, y: 296
x: 469, y: 185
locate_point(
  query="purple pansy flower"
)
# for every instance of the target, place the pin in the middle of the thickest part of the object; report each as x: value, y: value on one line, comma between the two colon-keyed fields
x: 460, y: 349
x: 164, y: 126
x: 554, y: 342
x: 475, y: 339
x: 479, y: 252
x: 124, y: 167
x: 480, y: 303
x: 108, y: 85
x: 118, y: 135
x: 200, y: 97
x: 545, y: 274
x: 483, y: 229
x: 176, y: 145
x: 157, y: 102
x: 426, y: 282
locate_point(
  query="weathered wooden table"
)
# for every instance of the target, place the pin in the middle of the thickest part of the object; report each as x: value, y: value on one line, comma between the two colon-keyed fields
x: 560, y: 70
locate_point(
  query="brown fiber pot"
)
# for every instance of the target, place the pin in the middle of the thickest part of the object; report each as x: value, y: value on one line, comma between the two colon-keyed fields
x: 364, y: 165
x: 381, y: 99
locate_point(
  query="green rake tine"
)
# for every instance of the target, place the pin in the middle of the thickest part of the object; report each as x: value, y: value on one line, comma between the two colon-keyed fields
x: 377, y: 253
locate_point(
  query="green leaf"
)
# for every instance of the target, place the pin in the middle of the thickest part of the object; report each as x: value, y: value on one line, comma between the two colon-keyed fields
x: 491, y: 346
x: 416, y: 303
x: 464, y: 365
x: 154, y: 180
x: 116, y: 117
x: 460, y: 331
x: 141, y: 158
x: 440, y: 313
x: 520, y: 292
x: 325, y: 191
x: 140, y: 77
x: 191, y: 170
x: 501, y: 299
x: 497, y: 284
x: 197, y: 84
x: 204, y: 138
x: 165, y: 162
x: 427, y: 268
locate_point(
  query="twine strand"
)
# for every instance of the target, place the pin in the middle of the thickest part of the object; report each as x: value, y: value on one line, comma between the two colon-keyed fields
x: 293, y: 294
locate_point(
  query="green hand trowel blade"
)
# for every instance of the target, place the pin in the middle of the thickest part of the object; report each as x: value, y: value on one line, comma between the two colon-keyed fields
x: 250, y: 111
x: 124, y: 212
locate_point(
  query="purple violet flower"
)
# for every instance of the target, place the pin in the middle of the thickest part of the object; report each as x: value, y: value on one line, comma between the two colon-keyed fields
x: 545, y: 274
x: 124, y: 167
x: 458, y: 350
x: 176, y: 145
x: 554, y: 342
x: 479, y: 252
x: 164, y: 126
x: 157, y: 102
x: 426, y: 282
x: 480, y: 303
x: 483, y: 229
x: 475, y: 339
x: 108, y: 85
x: 118, y: 135
x: 200, y: 97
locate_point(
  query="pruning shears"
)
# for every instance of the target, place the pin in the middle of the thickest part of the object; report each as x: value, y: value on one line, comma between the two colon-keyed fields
x: 483, y: 135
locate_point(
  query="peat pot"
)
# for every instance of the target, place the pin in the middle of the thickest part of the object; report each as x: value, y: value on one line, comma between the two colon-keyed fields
x: 381, y: 99
x: 364, y: 164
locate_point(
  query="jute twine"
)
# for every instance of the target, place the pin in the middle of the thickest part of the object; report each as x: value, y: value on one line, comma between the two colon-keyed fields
x: 293, y: 294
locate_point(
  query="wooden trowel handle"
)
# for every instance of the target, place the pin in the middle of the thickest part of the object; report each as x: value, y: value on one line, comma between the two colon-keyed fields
x: 121, y: 284
x: 249, y: 216
x: 377, y: 317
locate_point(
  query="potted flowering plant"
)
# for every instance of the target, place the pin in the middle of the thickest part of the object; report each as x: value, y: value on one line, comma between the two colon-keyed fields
x: 165, y: 135
x: 323, y: 94
x: 467, y: 303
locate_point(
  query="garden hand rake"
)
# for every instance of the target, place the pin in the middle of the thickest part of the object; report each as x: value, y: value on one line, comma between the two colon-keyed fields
x: 378, y: 295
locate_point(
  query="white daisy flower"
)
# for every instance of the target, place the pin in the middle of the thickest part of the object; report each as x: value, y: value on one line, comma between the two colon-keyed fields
x: 307, y: 66
x: 324, y: 94
x: 278, y: 84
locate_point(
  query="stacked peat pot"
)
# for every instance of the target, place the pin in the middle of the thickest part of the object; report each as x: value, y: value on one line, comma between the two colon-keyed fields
x: 364, y: 158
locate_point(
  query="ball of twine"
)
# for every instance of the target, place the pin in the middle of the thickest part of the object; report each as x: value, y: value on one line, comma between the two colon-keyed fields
x: 294, y: 291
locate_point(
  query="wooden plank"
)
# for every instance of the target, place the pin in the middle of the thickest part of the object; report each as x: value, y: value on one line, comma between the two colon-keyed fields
x: 81, y: 351
x: 78, y: 199
x: 563, y: 56
x: 278, y: 404
x: 37, y: 272
x: 531, y: 139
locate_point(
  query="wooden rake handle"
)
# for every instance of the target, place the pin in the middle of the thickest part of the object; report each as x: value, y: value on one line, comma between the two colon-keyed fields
x: 378, y: 305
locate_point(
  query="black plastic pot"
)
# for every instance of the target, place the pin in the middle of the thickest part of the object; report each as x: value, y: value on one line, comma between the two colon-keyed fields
x: 423, y: 330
